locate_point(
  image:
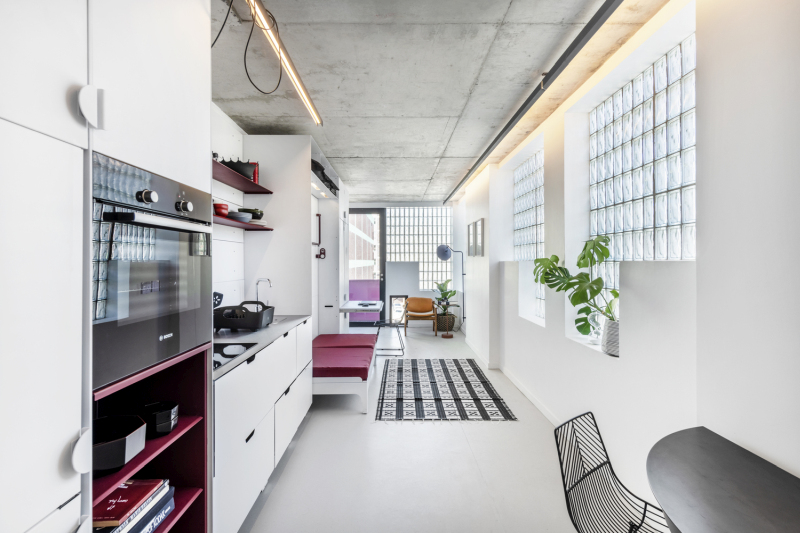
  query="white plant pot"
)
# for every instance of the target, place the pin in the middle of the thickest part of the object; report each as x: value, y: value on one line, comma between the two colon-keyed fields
x: 610, y: 339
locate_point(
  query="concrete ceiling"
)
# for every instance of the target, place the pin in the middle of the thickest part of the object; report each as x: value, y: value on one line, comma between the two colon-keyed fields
x: 410, y: 92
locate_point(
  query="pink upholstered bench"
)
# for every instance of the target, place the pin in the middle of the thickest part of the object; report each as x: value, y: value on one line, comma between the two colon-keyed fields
x: 343, y: 364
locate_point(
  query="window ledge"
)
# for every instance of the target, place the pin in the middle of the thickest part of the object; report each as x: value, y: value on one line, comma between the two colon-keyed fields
x: 583, y: 341
x: 534, y: 320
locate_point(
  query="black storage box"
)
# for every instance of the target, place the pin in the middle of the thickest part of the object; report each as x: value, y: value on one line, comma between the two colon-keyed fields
x: 161, y: 418
x: 238, y: 317
x: 116, y: 440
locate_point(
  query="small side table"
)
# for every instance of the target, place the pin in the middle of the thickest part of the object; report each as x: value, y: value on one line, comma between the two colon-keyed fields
x: 396, y: 325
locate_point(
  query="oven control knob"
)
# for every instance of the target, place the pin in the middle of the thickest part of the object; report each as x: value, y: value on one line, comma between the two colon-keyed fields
x: 147, y: 196
x: 184, y: 207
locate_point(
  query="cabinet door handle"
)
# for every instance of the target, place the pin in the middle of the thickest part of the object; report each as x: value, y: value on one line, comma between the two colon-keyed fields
x: 251, y: 358
x: 287, y: 390
x: 286, y: 334
x: 82, y: 452
x: 250, y: 436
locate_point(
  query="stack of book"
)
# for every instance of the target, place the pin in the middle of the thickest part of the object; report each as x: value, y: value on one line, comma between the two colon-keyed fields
x: 136, y: 506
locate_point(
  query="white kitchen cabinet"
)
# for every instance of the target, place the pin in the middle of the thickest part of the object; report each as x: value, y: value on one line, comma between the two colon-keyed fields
x: 41, y: 265
x: 242, y: 468
x: 290, y: 411
x: 44, y: 64
x: 153, y: 61
x: 304, y: 339
x: 64, y: 520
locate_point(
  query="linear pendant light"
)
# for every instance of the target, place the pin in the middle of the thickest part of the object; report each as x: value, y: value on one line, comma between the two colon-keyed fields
x: 277, y: 45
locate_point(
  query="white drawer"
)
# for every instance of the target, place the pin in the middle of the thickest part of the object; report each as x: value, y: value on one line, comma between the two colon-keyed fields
x: 239, y: 399
x: 303, y: 345
x: 290, y: 411
x: 243, y: 463
x: 279, y: 370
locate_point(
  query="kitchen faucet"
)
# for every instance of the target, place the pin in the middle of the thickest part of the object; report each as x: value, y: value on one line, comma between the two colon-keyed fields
x: 259, y: 280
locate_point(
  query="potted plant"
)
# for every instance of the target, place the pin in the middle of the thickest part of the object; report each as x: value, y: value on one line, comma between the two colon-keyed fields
x: 585, y: 292
x: 446, y: 320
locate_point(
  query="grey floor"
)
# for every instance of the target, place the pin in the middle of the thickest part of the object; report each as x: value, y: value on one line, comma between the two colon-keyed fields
x: 345, y: 472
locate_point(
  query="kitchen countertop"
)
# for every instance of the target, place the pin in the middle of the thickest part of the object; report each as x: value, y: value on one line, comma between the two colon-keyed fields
x: 262, y: 338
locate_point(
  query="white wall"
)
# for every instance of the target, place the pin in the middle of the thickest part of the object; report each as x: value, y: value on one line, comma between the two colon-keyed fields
x: 314, y: 269
x: 650, y: 390
x: 747, y: 190
x: 228, y: 243
x: 226, y: 136
x: 476, y: 202
x: 281, y: 255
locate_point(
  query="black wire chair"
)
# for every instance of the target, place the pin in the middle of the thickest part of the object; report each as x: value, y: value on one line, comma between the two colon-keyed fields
x: 597, y: 500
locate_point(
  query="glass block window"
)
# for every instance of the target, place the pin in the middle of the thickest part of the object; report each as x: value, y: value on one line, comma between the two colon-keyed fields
x: 414, y: 233
x: 642, y: 165
x: 529, y: 216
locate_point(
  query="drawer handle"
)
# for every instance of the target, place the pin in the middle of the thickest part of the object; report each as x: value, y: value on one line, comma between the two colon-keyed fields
x: 250, y: 436
x: 286, y: 334
x: 304, y: 321
x: 287, y: 390
x: 251, y: 358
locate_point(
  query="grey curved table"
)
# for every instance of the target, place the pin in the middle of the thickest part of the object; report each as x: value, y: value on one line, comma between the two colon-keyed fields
x: 706, y: 483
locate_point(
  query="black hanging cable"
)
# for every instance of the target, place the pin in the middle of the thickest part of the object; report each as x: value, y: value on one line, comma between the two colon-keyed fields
x: 230, y: 5
x: 280, y: 61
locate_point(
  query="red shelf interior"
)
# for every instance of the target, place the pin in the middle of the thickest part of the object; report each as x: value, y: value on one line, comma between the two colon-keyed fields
x: 225, y: 221
x: 181, y: 456
x: 183, y: 499
x: 229, y: 177
x: 103, y: 486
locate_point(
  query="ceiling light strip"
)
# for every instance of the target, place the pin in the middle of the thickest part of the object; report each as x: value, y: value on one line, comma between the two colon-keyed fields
x: 280, y: 50
x: 572, y: 50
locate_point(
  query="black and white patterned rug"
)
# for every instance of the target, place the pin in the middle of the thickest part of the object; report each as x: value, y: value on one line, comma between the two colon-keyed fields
x: 438, y: 389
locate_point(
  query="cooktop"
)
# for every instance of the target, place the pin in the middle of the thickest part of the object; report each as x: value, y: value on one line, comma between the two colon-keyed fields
x: 224, y: 353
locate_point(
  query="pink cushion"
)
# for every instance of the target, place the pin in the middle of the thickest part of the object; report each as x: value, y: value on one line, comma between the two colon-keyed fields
x: 342, y: 362
x: 346, y: 340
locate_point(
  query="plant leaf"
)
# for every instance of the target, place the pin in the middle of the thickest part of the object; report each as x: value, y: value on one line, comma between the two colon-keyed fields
x: 615, y: 293
x: 585, y: 311
x: 594, y: 251
x: 583, y: 326
x: 584, y: 289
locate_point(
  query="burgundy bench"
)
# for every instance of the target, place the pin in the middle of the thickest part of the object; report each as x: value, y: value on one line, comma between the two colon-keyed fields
x: 343, y: 364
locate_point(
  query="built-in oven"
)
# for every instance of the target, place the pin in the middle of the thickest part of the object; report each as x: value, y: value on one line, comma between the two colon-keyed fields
x: 151, y: 265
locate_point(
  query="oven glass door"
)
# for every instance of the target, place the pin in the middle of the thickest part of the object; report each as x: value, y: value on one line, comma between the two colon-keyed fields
x: 151, y: 295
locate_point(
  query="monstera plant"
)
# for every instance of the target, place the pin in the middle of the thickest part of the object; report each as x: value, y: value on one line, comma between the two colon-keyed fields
x: 583, y: 291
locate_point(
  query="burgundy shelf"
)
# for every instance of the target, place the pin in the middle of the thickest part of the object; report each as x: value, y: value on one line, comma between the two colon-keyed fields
x: 183, y: 499
x: 103, y: 486
x: 229, y: 177
x: 102, y: 392
x: 225, y: 221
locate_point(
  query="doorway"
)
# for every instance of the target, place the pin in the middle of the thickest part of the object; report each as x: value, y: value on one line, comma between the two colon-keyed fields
x: 367, y: 261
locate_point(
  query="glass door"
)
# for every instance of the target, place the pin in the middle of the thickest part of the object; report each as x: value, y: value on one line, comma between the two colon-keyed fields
x: 367, y: 262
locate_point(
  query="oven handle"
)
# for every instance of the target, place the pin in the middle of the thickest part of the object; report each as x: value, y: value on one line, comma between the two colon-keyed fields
x: 156, y: 221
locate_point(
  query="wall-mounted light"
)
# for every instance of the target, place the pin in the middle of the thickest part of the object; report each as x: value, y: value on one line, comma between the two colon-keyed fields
x: 314, y: 185
x: 277, y: 45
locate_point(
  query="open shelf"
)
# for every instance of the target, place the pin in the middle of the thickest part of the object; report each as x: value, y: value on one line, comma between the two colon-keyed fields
x: 184, y: 497
x: 229, y: 177
x: 225, y: 221
x: 103, y: 486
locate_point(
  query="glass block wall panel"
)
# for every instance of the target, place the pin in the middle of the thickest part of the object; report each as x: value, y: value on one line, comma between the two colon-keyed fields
x: 529, y: 210
x: 642, y: 171
x: 413, y: 234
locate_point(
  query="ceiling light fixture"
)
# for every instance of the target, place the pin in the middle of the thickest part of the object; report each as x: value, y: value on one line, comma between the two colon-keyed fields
x: 325, y: 195
x: 277, y: 45
x: 314, y: 185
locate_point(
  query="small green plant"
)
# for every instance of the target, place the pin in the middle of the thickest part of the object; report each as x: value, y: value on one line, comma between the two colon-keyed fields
x: 443, y: 298
x: 584, y: 292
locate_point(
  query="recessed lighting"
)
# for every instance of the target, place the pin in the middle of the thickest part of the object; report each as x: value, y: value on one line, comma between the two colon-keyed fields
x: 325, y: 195
x: 314, y: 185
